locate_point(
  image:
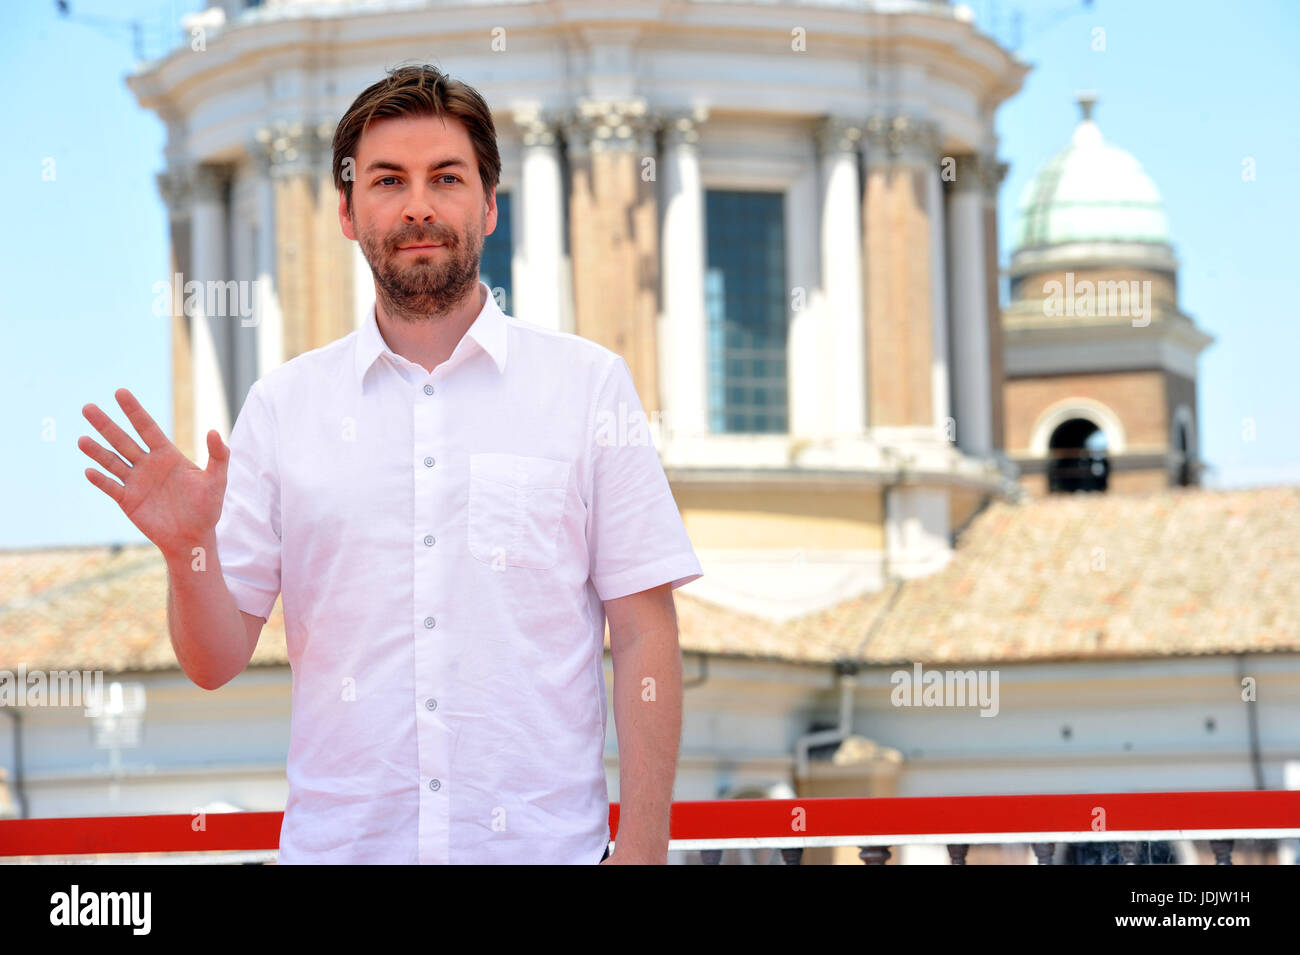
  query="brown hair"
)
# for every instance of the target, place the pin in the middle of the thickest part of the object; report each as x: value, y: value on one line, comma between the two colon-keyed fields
x: 419, y: 90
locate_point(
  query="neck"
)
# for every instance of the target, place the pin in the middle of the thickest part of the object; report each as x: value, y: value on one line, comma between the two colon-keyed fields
x: 427, y: 338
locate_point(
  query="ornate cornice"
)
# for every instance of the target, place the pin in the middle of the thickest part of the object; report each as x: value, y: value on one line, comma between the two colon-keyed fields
x: 836, y: 134
x: 994, y: 172
x: 682, y: 127
x: 537, y: 127
x: 176, y: 186
x: 290, y: 148
x: 901, y: 139
x: 183, y: 186
x: 980, y: 172
x: 209, y: 182
x: 605, y: 126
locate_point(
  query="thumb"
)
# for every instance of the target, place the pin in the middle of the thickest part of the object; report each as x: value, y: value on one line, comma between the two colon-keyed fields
x: 218, y: 455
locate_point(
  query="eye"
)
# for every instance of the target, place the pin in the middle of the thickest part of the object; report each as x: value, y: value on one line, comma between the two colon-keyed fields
x: 380, y: 181
x: 448, y: 175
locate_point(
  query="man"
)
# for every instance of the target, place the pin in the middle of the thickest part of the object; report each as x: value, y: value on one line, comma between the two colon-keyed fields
x: 450, y: 502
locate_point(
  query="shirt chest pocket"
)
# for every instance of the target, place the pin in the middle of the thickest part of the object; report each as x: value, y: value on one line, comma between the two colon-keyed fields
x: 516, y: 504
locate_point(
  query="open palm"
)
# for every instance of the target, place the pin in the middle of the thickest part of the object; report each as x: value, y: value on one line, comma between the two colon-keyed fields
x: 171, y: 500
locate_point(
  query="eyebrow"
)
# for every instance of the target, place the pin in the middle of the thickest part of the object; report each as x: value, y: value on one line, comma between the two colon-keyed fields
x: 398, y: 167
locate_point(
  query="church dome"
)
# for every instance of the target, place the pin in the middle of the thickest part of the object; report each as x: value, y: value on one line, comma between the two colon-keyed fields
x: 1091, y: 191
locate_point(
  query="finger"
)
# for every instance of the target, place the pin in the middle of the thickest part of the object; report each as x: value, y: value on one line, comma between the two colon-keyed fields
x: 106, y: 459
x: 145, y: 426
x: 119, y: 439
x: 218, y: 456
x: 111, y: 488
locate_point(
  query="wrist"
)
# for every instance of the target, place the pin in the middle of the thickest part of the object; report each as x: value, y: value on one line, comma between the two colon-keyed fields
x: 180, y: 555
x: 630, y: 837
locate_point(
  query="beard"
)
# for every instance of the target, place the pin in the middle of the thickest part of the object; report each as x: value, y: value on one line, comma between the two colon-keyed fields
x: 426, y: 284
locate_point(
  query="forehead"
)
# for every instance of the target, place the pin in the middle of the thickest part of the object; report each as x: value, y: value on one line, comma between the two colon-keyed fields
x: 411, y: 137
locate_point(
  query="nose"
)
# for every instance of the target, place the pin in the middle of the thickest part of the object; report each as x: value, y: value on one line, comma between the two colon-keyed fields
x: 418, y: 208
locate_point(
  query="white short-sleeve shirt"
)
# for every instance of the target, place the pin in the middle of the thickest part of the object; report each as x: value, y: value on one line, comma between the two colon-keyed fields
x: 443, y: 543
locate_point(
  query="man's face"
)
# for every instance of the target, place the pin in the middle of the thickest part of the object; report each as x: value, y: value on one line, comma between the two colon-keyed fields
x: 417, y: 183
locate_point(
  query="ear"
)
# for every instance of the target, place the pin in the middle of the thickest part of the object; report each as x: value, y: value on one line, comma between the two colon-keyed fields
x: 345, y: 220
x: 490, y: 219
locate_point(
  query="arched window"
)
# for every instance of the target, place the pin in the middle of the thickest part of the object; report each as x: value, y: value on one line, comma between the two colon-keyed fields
x: 1184, y: 460
x: 1184, y: 433
x: 1077, y: 459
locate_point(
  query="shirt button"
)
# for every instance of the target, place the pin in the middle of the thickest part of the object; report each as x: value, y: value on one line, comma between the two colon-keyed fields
x: 428, y: 540
x: 428, y: 622
x: 428, y: 462
x: 431, y: 703
x: 435, y: 785
x: 428, y: 389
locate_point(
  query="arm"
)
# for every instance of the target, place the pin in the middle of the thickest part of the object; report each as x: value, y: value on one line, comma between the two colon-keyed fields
x: 648, y: 716
x: 212, y: 638
x: 176, y: 505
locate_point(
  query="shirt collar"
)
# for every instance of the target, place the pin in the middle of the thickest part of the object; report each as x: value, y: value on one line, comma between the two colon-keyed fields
x: 488, y: 331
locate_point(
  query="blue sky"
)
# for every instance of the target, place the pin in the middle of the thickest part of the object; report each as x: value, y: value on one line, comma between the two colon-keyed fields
x: 1189, y: 87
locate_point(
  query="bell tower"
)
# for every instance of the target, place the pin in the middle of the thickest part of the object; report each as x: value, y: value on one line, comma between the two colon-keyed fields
x: 1101, y: 362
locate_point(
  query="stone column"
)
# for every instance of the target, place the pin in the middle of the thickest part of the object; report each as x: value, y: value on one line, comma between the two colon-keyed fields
x: 811, y: 347
x: 613, y: 234
x: 315, y: 264
x: 940, y: 383
x: 968, y: 271
x: 539, y: 283
x: 270, y: 322
x: 838, y: 142
x: 290, y: 166
x: 993, y: 172
x: 900, y: 257
x: 210, y: 336
x: 363, y: 286
x: 683, y: 343
x: 176, y: 185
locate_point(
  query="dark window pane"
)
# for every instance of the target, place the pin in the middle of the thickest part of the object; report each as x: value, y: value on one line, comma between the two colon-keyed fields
x: 746, y: 299
x: 494, y: 266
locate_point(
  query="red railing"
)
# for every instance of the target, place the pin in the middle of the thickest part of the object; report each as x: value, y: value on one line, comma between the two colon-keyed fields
x: 792, y: 824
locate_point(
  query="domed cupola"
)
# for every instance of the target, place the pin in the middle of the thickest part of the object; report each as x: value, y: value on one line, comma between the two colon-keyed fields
x: 1099, y: 359
x: 1092, y: 204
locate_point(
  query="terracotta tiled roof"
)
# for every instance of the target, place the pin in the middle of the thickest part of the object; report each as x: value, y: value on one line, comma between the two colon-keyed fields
x: 1064, y: 577
x: 1179, y: 572
x: 96, y: 608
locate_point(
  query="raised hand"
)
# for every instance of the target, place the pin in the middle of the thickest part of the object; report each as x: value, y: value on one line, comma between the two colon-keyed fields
x: 171, y: 500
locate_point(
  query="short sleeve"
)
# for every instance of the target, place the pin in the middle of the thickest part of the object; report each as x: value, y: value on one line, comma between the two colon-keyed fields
x: 248, y: 531
x: 635, y: 536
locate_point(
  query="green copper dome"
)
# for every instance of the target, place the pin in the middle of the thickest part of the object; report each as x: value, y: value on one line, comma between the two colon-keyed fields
x: 1091, y: 191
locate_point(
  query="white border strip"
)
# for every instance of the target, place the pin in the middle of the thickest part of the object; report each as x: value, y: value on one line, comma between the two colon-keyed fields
x: 215, y: 857
x: 980, y: 838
